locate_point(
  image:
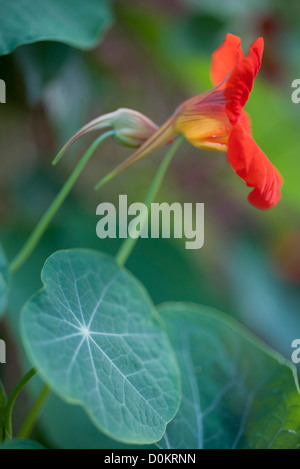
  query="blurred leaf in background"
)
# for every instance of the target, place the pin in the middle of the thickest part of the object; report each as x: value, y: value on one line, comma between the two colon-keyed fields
x: 77, y: 23
x: 263, y: 301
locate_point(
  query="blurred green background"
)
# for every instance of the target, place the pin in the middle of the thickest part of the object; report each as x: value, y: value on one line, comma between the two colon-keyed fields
x: 154, y: 55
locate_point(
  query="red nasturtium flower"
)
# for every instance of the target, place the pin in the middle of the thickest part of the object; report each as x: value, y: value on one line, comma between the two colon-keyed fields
x: 216, y: 120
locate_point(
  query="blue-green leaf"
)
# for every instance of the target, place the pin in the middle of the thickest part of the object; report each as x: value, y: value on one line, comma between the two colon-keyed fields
x: 79, y: 24
x: 237, y: 393
x: 93, y: 335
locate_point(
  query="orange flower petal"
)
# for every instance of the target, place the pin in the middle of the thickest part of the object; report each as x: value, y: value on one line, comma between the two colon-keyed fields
x: 245, y: 121
x: 229, y: 59
x: 225, y: 58
x: 238, y: 89
x: 252, y: 165
x: 255, y: 53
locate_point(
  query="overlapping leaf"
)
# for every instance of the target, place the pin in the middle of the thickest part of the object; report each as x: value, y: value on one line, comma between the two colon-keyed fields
x: 237, y: 393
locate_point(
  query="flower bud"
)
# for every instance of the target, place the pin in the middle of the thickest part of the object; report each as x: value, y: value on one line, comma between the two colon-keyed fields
x: 131, y: 128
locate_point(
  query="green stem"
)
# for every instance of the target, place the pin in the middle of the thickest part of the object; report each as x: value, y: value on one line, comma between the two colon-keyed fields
x: 40, y: 229
x: 121, y: 258
x: 11, y: 402
x: 34, y: 414
x: 130, y: 242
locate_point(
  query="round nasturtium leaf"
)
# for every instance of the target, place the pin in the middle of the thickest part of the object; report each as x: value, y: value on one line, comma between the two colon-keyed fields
x: 93, y: 335
x: 237, y: 393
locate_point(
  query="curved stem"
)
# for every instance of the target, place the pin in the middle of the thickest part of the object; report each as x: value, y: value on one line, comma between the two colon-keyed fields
x: 11, y: 402
x: 26, y: 251
x: 40, y: 229
x: 34, y: 414
x: 130, y: 242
